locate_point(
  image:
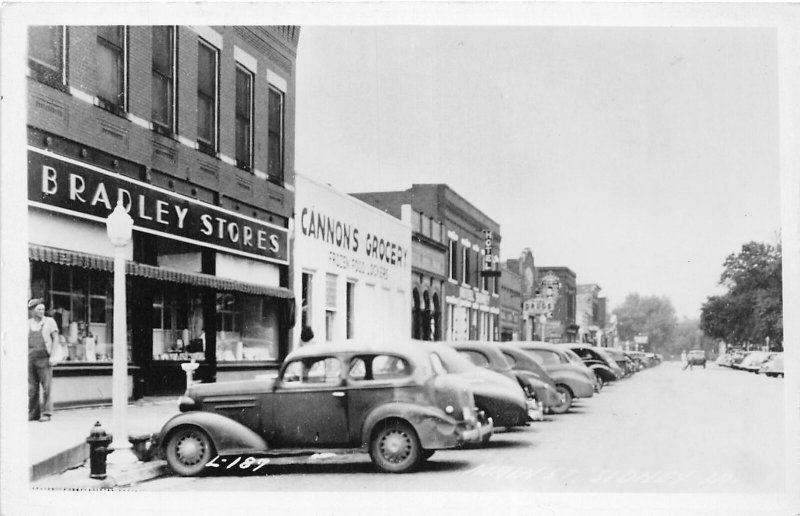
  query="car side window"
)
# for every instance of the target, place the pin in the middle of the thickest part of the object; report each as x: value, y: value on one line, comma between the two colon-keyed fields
x: 386, y: 367
x: 548, y: 357
x: 358, y: 369
x: 293, y: 372
x: 378, y: 367
x: 477, y: 358
x: 510, y: 358
x: 324, y: 370
x: 314, y: 370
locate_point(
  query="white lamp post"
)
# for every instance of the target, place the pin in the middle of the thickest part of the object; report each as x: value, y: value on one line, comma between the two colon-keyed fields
x: 119, y: 227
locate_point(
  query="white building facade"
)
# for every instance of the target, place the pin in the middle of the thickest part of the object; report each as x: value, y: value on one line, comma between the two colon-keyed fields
x: 353, y: 267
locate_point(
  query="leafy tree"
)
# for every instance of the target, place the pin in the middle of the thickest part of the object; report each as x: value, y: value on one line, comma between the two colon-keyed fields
x: 752, y: 308
x: 651, y: 315
x: 688, y: 335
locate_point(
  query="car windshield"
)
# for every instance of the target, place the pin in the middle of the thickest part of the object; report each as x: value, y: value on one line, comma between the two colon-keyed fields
x: 572, y: 356
x: 452, y: 361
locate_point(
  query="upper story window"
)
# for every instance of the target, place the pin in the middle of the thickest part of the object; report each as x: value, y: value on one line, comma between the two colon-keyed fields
x: 244, y: 117
x: 111, y: 67
x: 207, y: 102
x: 465, y: 265
x: 163, y: 84
x: 47, y: 54
x: 275, y: 137
x: 453, y: 259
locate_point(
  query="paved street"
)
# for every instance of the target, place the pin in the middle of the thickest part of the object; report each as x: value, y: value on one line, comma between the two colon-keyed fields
x: 663, y: 430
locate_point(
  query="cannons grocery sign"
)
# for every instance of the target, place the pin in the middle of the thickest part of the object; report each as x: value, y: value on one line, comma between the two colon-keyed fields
x: 64, y: 185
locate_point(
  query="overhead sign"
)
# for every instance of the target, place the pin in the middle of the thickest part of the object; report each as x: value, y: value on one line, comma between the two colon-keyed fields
x: 61, y: 184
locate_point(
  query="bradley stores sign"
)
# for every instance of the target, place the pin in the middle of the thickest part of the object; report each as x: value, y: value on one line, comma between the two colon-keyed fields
x: 60, y: 184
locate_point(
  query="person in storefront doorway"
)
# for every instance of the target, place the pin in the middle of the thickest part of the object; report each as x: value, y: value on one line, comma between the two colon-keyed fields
x: 42, y: 339
x: 306, y: 335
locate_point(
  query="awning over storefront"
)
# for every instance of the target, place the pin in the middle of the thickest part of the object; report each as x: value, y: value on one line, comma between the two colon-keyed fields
x: 92, y: 261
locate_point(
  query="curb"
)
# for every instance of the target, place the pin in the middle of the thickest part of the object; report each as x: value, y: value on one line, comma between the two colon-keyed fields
x: 79, y: 479
x: 60, y: 462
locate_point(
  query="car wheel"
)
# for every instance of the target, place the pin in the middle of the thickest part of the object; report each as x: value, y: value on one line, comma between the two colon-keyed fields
x: 188, y: 451
x: 566, y: 403
x: 427, y: 454
x: 395, y: 447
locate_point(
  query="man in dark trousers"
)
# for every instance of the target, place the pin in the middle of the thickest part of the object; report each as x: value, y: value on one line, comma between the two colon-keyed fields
x: 42, y: 339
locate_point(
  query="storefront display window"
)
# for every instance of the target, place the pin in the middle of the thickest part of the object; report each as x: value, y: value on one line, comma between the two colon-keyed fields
x: 80, y: 301
x: 247, y: 328
x: 178, y: 325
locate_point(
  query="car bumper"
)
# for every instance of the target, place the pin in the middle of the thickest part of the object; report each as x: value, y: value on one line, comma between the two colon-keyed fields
x: 477, y: 432
x: 535, y: 410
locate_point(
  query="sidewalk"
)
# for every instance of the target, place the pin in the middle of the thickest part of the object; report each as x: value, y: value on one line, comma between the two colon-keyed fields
x: 60, y: 444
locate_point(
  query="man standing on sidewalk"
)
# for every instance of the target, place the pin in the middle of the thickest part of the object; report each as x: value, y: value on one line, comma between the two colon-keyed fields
x: 42, y: 339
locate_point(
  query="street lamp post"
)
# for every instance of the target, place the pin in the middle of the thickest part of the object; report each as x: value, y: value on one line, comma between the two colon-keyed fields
x: 119, y: 227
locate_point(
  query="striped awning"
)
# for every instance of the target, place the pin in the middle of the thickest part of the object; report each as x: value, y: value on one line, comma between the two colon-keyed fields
x: 103, y: 263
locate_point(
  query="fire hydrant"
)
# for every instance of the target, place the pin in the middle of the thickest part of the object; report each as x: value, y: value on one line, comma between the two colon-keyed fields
x: 98, y: 449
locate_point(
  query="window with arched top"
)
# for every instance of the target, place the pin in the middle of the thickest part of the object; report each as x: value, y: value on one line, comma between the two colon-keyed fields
x: 415, y: 315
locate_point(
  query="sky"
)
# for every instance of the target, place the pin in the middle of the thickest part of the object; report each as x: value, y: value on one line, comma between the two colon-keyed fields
x: 638, y: 157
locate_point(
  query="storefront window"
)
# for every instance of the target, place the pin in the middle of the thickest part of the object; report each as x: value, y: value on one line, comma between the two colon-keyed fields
x: 178, y: 325
x: 80, y: 302
x: 247, y: 328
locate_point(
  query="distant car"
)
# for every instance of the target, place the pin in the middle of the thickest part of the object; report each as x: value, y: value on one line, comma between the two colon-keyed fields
x: 602, y: 365
x: 753, y: 361
x: 489, y: 356
x: 696, y: 357
x: 497, y: 395
x: 623, y: 360
x: 573, y: 379
x: 526, y: 364
x: 738, y: 357
x: 395, y: 401
x: 773, y: 366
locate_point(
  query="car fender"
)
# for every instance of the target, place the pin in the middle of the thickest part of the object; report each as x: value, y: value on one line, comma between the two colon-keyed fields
x: 434, y: 428
x: 580, y: 386
x: 228, y: 436
x: 603, y: 372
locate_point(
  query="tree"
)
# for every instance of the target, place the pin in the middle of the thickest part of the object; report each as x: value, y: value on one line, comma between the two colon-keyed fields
x: 752, y: 308
x: 652, y: 316
x: 688, y: 335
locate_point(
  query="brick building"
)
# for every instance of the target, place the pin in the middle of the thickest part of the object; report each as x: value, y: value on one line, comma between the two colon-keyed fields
x: 529, y: 284
x: 588, y: 313
x: 192, y: 128
x: 471, y: 308
x: 511, y: 285
x: 561, y: 327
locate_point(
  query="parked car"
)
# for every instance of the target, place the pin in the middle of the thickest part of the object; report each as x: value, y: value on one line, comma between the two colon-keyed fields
x: 724, y: 360
x: 696, y: 357
x: 738, y: 357
x: 489, y: 356
x: 773, y: 366
x: 753, y: 361
x: 623, y: 360
x: 525, y: 363
x: 499, y: 396
x: 395, y: 401
x: 603, y: 366
x: 573, y: 379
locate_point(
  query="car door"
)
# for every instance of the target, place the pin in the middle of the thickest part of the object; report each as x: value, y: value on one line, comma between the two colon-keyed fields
x: 309, y: 404
x: 374, y: 381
